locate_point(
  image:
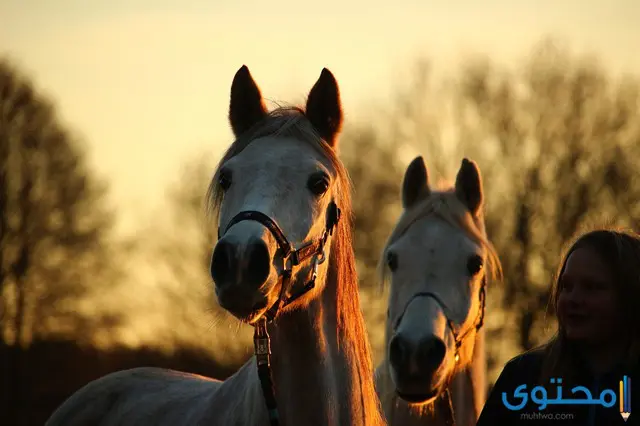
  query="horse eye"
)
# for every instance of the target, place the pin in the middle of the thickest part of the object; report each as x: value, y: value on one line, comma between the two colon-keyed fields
x: 318, y: 183
x: 474, y: 264
x: 224, y: 179
x: 392, y: 261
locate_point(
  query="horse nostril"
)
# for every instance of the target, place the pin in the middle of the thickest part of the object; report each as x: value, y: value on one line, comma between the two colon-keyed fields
x: 258, y: 262
x: 398, y: 351
x: 222, y: 262
x: 431, y: 352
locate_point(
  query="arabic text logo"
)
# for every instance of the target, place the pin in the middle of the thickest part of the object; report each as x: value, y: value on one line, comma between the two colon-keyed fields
x: 539, y: 396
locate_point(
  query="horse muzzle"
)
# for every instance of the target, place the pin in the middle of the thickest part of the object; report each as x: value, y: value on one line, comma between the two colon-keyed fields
x: 240, y: 273
x: 417, y: 367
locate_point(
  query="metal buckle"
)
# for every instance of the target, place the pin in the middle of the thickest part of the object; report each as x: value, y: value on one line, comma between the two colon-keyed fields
x: 262, y: 346
x: 318, y: 260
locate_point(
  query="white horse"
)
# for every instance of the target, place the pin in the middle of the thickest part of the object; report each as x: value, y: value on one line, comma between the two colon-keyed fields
x: 434, y: 367
x: 279, y: 183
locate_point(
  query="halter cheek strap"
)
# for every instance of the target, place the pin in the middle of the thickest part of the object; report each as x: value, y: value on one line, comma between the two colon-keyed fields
x: 290, y: 257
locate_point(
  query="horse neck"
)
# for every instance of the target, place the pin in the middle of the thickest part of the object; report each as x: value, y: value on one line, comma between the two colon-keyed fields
x: 467, y: 389
x: 318, y: 374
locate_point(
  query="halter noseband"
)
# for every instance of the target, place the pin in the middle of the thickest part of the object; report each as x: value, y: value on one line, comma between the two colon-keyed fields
x: 290, y: 257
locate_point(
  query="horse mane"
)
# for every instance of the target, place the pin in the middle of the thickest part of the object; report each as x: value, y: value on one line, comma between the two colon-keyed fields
x: 445, y: 204
x: 291, y: 121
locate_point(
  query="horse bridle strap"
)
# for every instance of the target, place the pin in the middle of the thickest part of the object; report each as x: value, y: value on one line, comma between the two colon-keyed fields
x: 458, y: 339
x: 290, y: 257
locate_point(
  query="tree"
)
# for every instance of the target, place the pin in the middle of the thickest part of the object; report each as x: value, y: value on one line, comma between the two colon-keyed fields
x: 54, y: 226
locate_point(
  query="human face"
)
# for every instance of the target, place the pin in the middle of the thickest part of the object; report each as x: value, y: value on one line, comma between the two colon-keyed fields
x: 588, y: 309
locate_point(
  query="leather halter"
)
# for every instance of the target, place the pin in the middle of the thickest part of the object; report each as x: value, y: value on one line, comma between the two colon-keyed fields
x: 290, y: 257
x: 458, y: 338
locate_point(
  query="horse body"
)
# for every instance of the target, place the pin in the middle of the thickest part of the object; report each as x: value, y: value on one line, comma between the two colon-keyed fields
x: 434, y: 368
x: 143, y: 395
x: 276, y: 191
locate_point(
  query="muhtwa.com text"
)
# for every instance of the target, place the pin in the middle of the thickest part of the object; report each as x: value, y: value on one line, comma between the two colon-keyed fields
x: 546, y: 416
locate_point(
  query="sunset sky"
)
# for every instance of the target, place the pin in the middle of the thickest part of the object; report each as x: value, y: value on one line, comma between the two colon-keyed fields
x: 146, y: 82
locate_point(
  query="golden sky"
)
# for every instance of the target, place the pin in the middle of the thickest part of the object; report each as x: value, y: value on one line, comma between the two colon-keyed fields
x: 146, y: 82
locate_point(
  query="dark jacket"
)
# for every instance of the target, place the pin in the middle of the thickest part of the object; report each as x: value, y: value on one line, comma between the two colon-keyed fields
x: 526, y: 369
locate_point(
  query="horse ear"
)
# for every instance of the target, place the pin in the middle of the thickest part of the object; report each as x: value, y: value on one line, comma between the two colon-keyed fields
x: 469, y: 186
x: 246, y: 107
x: 416, y: 182
x: 324, y: 108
